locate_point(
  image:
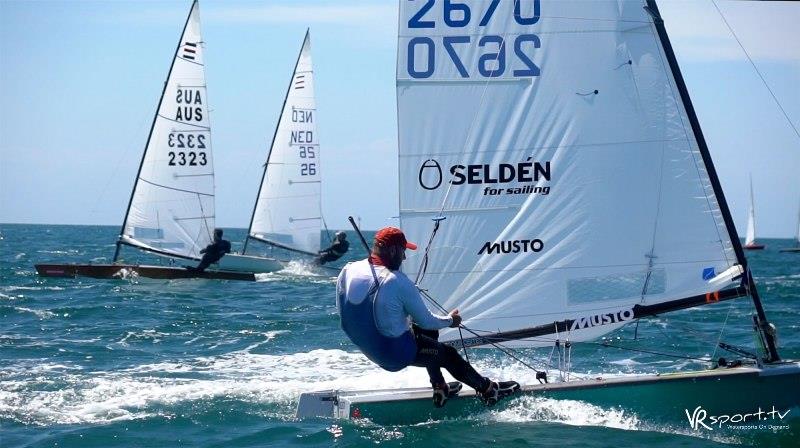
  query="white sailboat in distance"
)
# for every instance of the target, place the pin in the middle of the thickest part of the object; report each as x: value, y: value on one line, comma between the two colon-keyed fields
x: 750, y: 237
x: 171, y: 207
x: 551, y: 160
x: 796, y: 247
x: 287, y: 213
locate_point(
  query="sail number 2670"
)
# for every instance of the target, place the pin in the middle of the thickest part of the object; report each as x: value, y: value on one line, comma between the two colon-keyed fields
x: 183, y: 141
x: 493, y: 55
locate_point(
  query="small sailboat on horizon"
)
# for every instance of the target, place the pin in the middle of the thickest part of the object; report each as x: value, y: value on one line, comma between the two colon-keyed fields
x: 796, y: 247
x: 750, y: 237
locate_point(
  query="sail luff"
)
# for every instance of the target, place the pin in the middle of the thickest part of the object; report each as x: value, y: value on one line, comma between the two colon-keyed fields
x: 150, y: 134
x: 272, y: 144
x: 747, y: 280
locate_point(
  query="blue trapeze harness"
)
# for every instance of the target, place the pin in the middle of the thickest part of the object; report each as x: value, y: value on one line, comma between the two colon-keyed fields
x: 358, y: 322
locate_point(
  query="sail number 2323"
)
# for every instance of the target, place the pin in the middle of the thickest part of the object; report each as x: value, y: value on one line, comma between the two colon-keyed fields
x: 188, y: 149
x: 497, y: 55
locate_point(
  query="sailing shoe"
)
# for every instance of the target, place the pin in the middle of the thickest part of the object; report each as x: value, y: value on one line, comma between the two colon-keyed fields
x: 498, y: 390
x: 441, y: 392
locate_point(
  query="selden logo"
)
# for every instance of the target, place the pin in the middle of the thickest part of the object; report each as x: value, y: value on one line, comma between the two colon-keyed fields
x: 700, y: 418
x: 430, y: 175
x: 524, y: 174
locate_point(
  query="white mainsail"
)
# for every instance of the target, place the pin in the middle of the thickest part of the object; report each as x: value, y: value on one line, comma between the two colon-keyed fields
x: 171, y: 211
x: 552, y: 137
x: 751, y: 219
x: 287, y: 212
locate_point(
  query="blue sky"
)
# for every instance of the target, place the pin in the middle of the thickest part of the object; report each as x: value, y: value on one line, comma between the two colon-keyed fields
x: 80, y: 81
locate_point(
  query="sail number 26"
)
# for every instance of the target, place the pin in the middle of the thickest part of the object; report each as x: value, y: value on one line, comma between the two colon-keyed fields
x: 194, y: 143
x: 492, y: 54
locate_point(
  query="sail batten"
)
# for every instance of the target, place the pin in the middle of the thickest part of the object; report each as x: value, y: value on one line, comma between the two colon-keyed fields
x: 279, y: 245
x: 290, y: 187
x: 579, y: 183
x: 201, y: 127
x: 542, y: 269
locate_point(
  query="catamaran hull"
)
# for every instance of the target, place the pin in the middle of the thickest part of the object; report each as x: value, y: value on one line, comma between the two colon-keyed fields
x: 658, y: 398
x: 248, y: 263
x: 123, y: 271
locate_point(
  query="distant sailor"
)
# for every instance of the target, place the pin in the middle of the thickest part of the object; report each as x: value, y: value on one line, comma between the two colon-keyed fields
x: 335, y: 251
x: 214, y: 251
x: 378, y: 319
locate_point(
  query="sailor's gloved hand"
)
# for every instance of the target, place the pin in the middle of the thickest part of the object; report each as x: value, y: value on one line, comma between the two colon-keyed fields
x: 456, y: 319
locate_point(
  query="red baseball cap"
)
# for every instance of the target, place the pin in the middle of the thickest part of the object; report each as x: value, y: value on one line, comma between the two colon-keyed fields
x: 392, y: 236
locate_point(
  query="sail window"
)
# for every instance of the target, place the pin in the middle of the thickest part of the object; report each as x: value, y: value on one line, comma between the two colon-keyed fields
x: 614, y: 287
x: 148, y: 233
x: 168, y: 245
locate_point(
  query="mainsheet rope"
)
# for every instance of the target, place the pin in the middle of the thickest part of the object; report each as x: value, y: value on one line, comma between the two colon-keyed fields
x: 506, y: 350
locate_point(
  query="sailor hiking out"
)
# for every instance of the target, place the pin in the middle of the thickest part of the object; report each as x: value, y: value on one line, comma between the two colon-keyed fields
x: 213, y: 252
x: 382, y: 312
x: 336, y: 250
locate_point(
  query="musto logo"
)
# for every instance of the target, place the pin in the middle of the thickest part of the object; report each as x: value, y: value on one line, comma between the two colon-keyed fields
x: 699, y: 419
x: 511, y: 247
x: 597, y: 320
x: 497, y: 178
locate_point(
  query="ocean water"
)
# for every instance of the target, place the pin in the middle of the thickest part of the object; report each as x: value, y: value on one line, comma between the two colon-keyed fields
x: 152, y: 363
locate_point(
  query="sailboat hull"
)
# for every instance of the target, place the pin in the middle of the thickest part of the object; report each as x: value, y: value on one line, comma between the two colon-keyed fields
x: 660, y: 398
x: 248, y: 263
x: 109, y: 271
x: 754, y: 247
x: 793, y: 249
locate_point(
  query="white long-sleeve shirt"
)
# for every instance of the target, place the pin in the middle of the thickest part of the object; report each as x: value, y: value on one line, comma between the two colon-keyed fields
x: 398, y: 302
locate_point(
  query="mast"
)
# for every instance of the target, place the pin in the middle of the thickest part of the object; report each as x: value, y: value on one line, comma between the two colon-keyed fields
x: 266, y: 164
x: 764, y: 327
x: 152, y: 127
